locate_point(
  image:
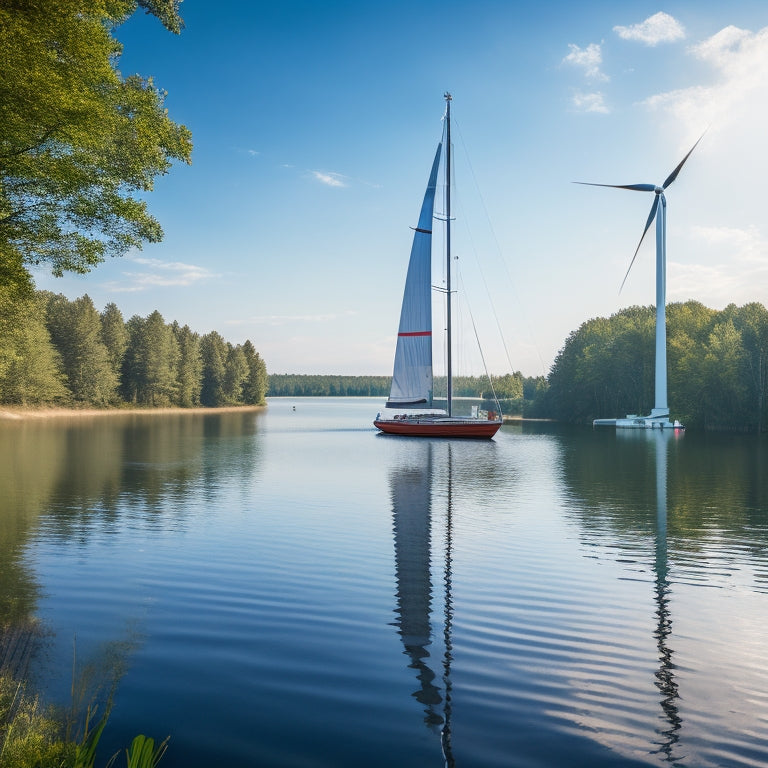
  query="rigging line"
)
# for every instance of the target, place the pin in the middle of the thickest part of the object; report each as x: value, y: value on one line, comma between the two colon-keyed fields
x: 477, y: 339
x: 480, y: 268
x: 457, y: 128
x: 488, y: 294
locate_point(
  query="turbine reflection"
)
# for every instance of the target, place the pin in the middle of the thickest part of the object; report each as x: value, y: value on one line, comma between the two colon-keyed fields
x: 659, y: 444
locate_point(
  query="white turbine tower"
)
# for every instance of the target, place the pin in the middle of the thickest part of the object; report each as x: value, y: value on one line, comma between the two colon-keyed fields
x: 660, y: 414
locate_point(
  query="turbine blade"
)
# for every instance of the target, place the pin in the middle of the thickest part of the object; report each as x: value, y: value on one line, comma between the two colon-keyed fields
x: 672, y: 176
x: 633, y: 187
x: 648, y: 223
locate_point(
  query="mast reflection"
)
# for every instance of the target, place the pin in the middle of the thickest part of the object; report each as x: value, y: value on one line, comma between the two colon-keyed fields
x: 412, y: 506
x: 411, y: 494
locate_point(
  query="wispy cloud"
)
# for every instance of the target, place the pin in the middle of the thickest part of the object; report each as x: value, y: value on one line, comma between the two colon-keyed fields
x: 590, y: 102
x: 158, y: 273
x: 330, y: 179
x: 588, y: 59
x: 746, y: 245
x: 659, y: 28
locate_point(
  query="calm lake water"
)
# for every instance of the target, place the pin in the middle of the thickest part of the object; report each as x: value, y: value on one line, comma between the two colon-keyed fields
x: 288, y: 588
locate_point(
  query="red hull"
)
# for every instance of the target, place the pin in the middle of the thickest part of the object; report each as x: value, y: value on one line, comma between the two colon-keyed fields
x: 483, y: 430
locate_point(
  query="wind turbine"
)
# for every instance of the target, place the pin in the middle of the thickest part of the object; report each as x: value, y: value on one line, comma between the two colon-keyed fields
x: 660, y: 413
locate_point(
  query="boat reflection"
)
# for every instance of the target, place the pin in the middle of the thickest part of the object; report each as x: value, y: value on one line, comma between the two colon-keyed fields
x: 412, y: 509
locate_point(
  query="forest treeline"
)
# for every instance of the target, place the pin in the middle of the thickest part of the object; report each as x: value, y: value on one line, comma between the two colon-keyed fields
x: 62, y: 352
x: 516, y: 392
x: 67, y: 353
x: 717, y: 367
x: 717, y: 370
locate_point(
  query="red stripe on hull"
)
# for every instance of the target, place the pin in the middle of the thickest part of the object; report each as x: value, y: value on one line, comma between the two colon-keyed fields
x: 473, y: 429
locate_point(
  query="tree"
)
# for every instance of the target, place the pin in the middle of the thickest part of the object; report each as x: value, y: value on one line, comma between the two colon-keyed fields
x: 149, y: 366
x: 30, y: 367
x: 509, y: 386
x: 114, y: 335
x: 725, y: 388
x: 752, y: 321
x: 213, y: 350
x: 132, y: 373
x: 257, y: 382
x: 161, y: 352
x: 75, y: 328
x: 189, y: 371
x: 688, y: 327
x: 235, y: 374
x: 79, y: 144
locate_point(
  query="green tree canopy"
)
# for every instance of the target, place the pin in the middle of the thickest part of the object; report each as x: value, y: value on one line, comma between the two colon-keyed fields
x: 79, y: 143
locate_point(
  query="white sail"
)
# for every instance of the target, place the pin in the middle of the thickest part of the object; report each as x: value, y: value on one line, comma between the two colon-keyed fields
x: 412, y: 375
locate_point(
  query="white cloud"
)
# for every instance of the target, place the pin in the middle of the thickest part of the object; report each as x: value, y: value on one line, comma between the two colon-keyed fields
x: 740, y: 264
x: 590, y: 102
x: 659, y: 28
x: 330, y: 179
x: 589, y: 59
x: 739, y: 92
x: 722, y: 46
x: 159, y: 274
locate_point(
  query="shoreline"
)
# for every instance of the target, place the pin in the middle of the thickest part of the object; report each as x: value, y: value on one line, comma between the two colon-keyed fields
x: 20, y: 412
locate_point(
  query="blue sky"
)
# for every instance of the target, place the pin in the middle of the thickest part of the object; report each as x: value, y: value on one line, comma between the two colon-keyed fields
x: 314, y: 126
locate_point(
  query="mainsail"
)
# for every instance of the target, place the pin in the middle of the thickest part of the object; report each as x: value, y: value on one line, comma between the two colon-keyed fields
x: 412, y: 376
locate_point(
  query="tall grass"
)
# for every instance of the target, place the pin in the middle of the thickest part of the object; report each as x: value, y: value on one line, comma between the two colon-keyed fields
x: 34, y: 736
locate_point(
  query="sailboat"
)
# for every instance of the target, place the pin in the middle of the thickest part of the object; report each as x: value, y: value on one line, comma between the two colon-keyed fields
x: 409, y: 409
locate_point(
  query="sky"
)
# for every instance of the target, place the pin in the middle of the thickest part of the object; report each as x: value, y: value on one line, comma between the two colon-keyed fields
x: 314, y: 126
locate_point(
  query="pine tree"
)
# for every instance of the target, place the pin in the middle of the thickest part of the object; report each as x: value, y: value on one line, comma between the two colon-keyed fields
x: 30, y: 367
x: 235, y: 374
x: 75, y: 329
x: 213, y: 350
x: 114, y: 335
x: 255, y: 385
x: 189, y: 372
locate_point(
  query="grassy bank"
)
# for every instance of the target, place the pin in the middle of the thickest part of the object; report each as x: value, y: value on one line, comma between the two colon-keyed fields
x: 33, y: 735
x: 14, y: 412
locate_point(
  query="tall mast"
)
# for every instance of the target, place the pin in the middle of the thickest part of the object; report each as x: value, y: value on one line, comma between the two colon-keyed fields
x: 448, y: 99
